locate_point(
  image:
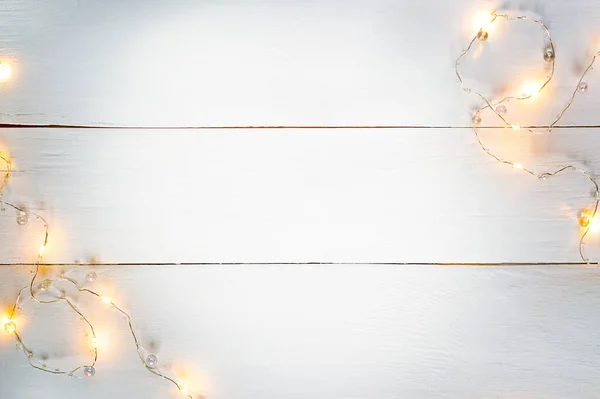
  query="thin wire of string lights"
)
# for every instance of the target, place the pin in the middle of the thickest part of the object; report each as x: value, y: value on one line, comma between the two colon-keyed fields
x: 587, y: 217
x: 45, y: 292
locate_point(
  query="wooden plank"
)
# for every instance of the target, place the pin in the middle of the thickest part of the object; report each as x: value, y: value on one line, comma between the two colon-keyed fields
x: 297, y: 195
x: 326, y: 332
x: 272, y: 62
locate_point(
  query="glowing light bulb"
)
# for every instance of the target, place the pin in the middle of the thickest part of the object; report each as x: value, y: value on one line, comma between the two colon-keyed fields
x: 518, y: 166
x: 5, y: 71
x: 42, y: 249
x: 584, y: 221
x: 95, y: 343
x: 516, y: 127
x: 482, y: 22
x: 587, y: 220
x: 106, y: 300
x: 10, y: 326
x: 531, y: 89
x: 184, y: 392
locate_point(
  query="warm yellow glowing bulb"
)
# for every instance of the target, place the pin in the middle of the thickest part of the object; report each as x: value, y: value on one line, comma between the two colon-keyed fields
x: 531, y: 89
x: 482, y: 21
x: 5, y: 71
x: 95, y: 343
x: 518, y: 166
x: 587, y: 220
x: 516, y: 127
x: 10, y: 326
x: 106, y: 300
x: 184, y: 392
x: 42, y: 249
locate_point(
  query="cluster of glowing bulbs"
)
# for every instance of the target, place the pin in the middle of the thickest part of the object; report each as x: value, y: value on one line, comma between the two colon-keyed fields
x: 9, y: 323
x: 484, y: 24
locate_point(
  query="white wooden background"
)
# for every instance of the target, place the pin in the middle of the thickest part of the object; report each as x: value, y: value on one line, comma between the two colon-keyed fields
x: 375, y: 169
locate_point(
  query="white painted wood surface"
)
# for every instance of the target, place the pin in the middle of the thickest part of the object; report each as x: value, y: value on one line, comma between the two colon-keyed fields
x: 298, y: 195
x: 402, y: 195
x: 274, y: 62
x: 332, y: 332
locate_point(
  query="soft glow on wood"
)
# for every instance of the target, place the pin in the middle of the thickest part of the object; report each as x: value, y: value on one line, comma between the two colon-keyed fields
x: 5, y: 71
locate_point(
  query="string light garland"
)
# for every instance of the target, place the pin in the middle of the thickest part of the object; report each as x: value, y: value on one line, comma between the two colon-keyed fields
x: 10, y: 325
x: 35, y: 290
x: 587, y: 217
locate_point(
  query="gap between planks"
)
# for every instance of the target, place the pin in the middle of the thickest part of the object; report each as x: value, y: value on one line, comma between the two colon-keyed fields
x: 116, y: 127
x: 470, y: 264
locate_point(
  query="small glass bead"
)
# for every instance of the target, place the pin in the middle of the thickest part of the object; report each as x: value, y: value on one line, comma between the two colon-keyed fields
x: 482, y: 35
x: 476, y: 119
x: 151, y: 360
x: 584, y: 221
x: 44, y: 285
x: 548, y: 55
x: 582, y: 87
x: 22, y: 219
x: 501, y: 109
x: 91, y: 276
x: 89, y: 371
x: 10, y: 327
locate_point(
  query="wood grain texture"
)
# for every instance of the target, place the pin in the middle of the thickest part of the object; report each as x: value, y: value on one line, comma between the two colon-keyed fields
x: 403, y: 195
x: 272, y: 62
x: 345, y: 195
x: 334, y: 332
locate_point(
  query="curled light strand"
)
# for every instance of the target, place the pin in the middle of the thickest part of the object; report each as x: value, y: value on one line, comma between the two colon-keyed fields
x: 33, y: 362
x: 488, y: 105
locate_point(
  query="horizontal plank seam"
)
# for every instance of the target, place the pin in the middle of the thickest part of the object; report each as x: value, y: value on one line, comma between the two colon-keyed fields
x: 457, y: 264
x: 115, y: 127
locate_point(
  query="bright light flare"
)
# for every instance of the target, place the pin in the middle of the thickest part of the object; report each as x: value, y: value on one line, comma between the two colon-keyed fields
x: 482, y: 20
x: 587, y: 221
x: 5, y: 71
x: 8, y: 325
x: 531, y: 89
